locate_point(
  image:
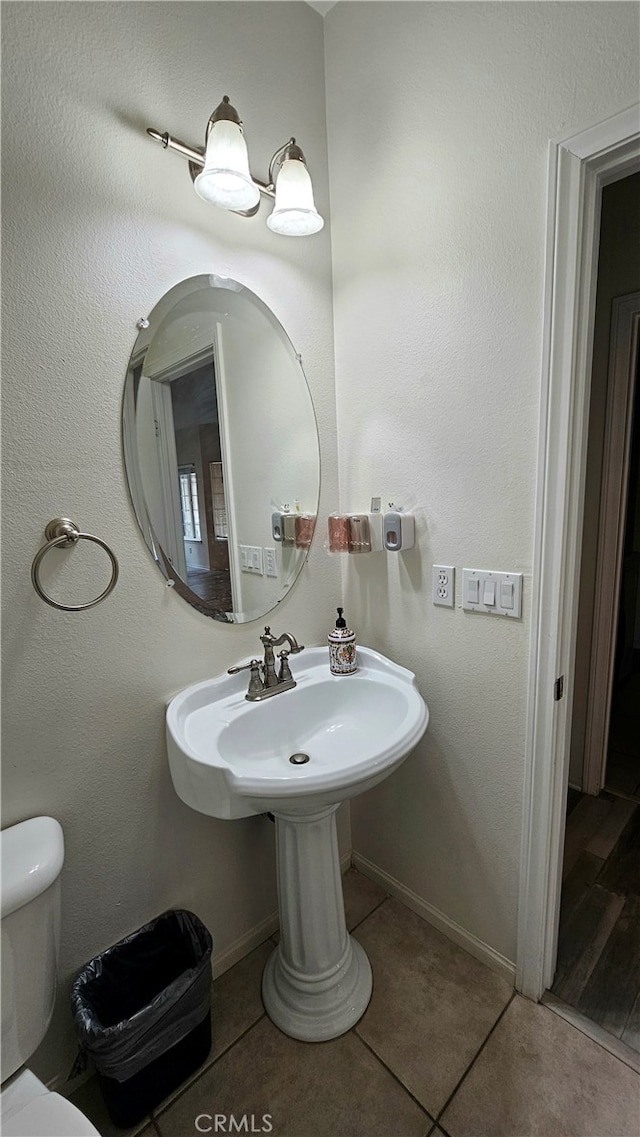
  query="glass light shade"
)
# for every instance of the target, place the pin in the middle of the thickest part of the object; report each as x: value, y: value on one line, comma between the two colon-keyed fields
x: 294, y: 213
x: 225, y: 179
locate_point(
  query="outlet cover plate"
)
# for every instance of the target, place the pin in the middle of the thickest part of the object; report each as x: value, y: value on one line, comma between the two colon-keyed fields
x: 444, y: 582
x: 270, y: 562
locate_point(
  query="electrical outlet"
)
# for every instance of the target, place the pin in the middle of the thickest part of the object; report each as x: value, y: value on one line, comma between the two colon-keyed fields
x: 270, y: 563
x: 444, y: 577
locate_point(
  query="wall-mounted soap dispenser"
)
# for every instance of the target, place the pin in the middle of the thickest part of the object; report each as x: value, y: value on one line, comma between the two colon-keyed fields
x: 398, y: 530
x: 373, y: 531
x: 276, y: 525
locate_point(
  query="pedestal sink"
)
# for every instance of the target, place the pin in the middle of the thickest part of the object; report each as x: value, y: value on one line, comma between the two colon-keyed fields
x: 298, y: 755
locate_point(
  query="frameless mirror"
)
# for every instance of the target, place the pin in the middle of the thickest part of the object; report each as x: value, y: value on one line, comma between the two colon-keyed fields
x: 221, y: 448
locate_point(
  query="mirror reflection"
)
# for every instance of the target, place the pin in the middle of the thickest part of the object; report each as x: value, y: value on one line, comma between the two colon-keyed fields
x: 221, y: 448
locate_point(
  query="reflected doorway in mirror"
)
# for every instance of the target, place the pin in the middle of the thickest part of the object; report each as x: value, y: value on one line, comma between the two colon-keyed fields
x: 205, y: 437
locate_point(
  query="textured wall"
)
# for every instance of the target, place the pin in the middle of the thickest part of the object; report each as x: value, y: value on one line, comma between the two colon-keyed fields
x: 439, y: 119
x: 99, y: 223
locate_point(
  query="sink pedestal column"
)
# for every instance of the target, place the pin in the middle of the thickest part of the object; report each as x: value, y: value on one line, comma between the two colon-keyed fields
x: 317, y: 983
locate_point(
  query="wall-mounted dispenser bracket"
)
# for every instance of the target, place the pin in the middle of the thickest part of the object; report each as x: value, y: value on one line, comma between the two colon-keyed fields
x: 356, y: 533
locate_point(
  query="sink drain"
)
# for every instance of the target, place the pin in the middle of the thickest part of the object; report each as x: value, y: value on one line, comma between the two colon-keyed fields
x: 299, y: 759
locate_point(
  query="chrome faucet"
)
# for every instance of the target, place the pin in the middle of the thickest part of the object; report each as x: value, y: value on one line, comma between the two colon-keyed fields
x: 262, y: 686
x: 269, y: 665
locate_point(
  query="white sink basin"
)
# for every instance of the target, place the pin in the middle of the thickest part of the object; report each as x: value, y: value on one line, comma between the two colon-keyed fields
x: 230, y: 757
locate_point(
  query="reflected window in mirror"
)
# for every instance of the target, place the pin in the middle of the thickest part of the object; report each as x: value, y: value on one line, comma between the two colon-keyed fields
x: 189, y: 503
x: 220, y: 526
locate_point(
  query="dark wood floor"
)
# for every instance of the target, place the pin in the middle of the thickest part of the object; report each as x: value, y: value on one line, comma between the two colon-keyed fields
x: 598, y: 968
x: 212, y: 586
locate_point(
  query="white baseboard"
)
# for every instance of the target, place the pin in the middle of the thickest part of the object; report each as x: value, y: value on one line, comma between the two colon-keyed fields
x: 477, y: 948
x: 236, y: 951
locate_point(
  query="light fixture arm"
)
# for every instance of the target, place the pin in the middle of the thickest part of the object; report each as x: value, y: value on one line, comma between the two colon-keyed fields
x: 170, y: 143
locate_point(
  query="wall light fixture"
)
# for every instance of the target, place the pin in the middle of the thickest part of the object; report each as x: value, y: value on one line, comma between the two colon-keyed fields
x: 221, y: 175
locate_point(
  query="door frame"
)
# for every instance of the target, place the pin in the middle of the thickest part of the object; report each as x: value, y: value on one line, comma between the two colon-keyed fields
x: 621, y: 381
x: 222, y: 379
x: 168, y: 473
x: 579, y: 168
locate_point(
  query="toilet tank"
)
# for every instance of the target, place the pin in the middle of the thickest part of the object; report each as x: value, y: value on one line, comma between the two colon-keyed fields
x: 32, y: 855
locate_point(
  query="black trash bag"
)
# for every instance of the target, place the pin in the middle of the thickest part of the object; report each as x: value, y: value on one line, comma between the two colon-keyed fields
x: 142, y: 1012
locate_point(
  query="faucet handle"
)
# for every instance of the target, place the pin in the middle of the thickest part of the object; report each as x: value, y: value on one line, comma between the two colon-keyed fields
x: 285, y: 670
x: 255, y: 682
x: 254, y: 664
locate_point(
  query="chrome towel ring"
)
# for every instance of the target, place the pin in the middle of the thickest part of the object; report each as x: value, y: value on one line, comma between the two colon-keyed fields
x: 61, y: 533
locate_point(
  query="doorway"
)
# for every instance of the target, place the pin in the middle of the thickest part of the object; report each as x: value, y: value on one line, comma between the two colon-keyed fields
x: 604, y: 725
x: 196, y: 430
x: 622, y: 760
x: 608, y: 617
x: 598, y: 967
x: 579, y: 169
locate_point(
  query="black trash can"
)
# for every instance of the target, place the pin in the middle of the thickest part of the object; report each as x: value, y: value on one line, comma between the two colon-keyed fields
x: 142, y: 1012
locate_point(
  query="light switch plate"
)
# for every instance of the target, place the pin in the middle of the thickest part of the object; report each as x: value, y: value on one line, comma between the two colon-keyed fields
x: 506, y: 591
x: 251, y: 559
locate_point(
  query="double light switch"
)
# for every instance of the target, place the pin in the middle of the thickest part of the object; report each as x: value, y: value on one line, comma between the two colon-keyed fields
x: 500, y: 593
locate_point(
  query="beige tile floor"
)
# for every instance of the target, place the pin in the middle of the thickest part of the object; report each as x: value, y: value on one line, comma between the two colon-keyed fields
x: 444, y: 1040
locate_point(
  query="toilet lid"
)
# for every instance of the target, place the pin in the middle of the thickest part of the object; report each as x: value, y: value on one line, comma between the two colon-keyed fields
x: 49, y: 1115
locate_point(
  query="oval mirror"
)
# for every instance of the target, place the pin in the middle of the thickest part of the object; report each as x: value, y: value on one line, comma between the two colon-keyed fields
x: 221, y: 448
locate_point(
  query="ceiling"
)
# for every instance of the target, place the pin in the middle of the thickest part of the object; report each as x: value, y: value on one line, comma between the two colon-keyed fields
x: 322, y: 6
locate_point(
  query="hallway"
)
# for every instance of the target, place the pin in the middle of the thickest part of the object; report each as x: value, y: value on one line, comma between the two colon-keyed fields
x: 623, y: 760
x: 598, y: 966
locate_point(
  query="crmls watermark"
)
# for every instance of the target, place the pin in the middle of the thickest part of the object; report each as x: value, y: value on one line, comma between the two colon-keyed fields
x: 229, y: 1123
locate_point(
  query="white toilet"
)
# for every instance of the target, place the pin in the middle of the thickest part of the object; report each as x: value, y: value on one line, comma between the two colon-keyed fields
x: 32, y: 856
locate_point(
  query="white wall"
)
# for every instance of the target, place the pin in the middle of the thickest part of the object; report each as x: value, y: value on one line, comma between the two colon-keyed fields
x: 267, y: 405
x: 439, y: 120
x: 99, y: 223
